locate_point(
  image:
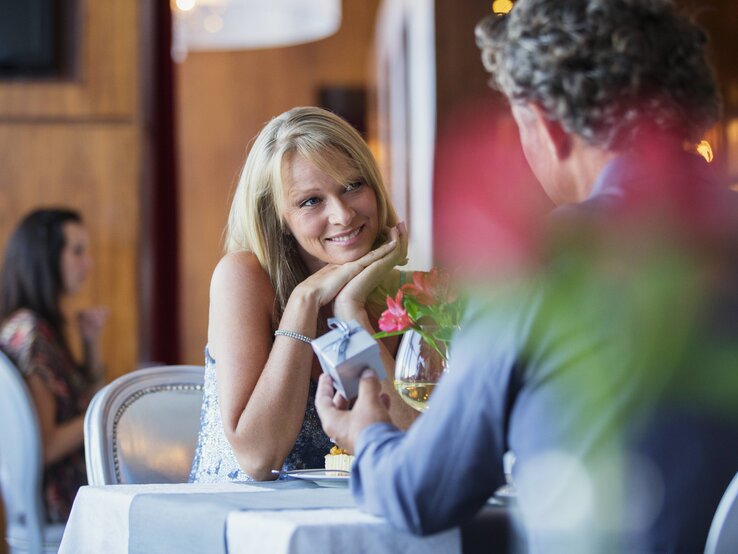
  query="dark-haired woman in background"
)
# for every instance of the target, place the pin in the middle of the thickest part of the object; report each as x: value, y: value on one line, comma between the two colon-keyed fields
x: 47, y: 258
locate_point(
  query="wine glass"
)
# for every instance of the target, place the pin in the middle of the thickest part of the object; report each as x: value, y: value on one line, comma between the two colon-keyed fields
x: 418, y: 368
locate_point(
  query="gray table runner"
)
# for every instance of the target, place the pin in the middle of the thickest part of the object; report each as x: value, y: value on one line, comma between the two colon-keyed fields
x: 200, y: 518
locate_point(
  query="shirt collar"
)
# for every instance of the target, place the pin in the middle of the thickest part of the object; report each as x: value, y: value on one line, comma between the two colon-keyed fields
x: 630, y: 169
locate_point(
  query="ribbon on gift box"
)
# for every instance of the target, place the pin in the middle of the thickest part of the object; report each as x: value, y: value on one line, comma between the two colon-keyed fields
x: 342, y: 341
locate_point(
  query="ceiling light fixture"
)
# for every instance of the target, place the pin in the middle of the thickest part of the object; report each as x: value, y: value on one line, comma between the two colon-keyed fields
x: 245, y: 24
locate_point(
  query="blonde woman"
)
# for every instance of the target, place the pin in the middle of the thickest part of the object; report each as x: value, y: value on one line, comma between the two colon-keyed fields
x: 311, y: 235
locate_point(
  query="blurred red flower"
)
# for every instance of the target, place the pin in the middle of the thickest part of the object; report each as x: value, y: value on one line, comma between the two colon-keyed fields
x: 430, y: 288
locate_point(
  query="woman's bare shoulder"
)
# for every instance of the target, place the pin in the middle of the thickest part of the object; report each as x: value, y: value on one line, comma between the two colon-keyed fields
x: 239, y: 268
x: 240, y: 275
x: 241, y: 301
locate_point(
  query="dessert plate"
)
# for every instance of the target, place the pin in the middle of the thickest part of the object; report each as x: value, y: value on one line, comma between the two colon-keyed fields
x: 322, y: 477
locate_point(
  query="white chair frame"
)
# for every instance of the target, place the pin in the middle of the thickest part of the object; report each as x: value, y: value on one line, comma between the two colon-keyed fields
x: 723, y: 535
x: 21, y: 468
x: 110, y: 404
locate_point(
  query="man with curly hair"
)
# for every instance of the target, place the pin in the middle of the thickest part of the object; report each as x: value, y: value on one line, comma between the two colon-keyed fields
x: 613, y: 376
x: 598, y: 79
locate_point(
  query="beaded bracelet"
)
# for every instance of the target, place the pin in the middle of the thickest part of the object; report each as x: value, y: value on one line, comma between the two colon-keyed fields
x: 292, y: 335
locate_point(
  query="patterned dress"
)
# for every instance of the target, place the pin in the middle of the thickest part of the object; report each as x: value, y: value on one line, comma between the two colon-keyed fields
x: 31, y: 345
x: 214, y: 459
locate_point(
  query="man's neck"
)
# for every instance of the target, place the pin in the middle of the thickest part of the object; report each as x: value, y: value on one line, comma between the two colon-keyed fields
x: 584, y: 166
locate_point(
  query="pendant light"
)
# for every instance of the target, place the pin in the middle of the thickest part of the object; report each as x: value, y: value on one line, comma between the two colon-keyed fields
x: 244, y: 24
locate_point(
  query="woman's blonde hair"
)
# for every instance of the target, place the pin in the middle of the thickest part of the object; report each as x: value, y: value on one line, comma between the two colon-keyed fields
x: 255, y: 223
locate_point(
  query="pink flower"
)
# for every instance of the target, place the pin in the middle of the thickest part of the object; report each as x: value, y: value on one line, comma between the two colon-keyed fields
x: 394, y: 318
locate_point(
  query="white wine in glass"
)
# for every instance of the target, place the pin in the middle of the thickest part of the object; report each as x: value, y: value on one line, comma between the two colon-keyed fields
x: 415, y: 394
x: 418, y: 368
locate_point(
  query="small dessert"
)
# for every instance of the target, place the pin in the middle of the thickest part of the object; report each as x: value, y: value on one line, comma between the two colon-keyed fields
x: 338, y: 459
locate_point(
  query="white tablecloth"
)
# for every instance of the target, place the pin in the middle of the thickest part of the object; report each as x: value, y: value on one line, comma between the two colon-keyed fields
x: 251, y: 519
x: 327, y: 531
x: 100, y: 515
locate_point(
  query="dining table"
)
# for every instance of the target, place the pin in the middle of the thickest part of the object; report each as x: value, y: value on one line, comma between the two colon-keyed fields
x: 291, y: 516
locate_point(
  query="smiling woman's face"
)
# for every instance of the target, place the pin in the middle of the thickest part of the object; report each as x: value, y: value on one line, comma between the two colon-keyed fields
x: 332, y: 221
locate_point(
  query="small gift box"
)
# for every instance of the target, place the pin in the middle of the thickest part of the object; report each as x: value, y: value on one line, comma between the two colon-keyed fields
x: 344, y: 352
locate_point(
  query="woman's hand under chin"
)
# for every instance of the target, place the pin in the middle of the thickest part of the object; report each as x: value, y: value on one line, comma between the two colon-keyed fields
x: 326, y: 284
x: 351, y: 300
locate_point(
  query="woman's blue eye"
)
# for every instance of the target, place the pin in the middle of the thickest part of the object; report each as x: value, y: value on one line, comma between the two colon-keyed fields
x: 352, y: 186
x: 312, y: 201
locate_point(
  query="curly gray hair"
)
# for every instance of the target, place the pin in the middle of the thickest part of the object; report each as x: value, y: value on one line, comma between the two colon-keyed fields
x: 604, y: 69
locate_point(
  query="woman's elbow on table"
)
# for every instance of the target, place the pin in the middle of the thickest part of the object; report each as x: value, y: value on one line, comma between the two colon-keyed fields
x: 255, y: 461
x: 258, y: 470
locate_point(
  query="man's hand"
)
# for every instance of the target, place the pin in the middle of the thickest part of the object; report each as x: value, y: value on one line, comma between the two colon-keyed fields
x: 342, y: 425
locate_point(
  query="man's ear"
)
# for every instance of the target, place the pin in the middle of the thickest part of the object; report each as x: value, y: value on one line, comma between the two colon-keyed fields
x: 556, y: 139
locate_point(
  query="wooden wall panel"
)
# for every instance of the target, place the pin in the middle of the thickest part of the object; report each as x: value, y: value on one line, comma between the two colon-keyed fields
x: 107, y: 63
x: 223, y: 100
x: 459, y: 71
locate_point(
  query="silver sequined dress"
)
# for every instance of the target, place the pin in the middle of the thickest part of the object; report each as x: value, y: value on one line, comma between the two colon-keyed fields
x: 214, y: 459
